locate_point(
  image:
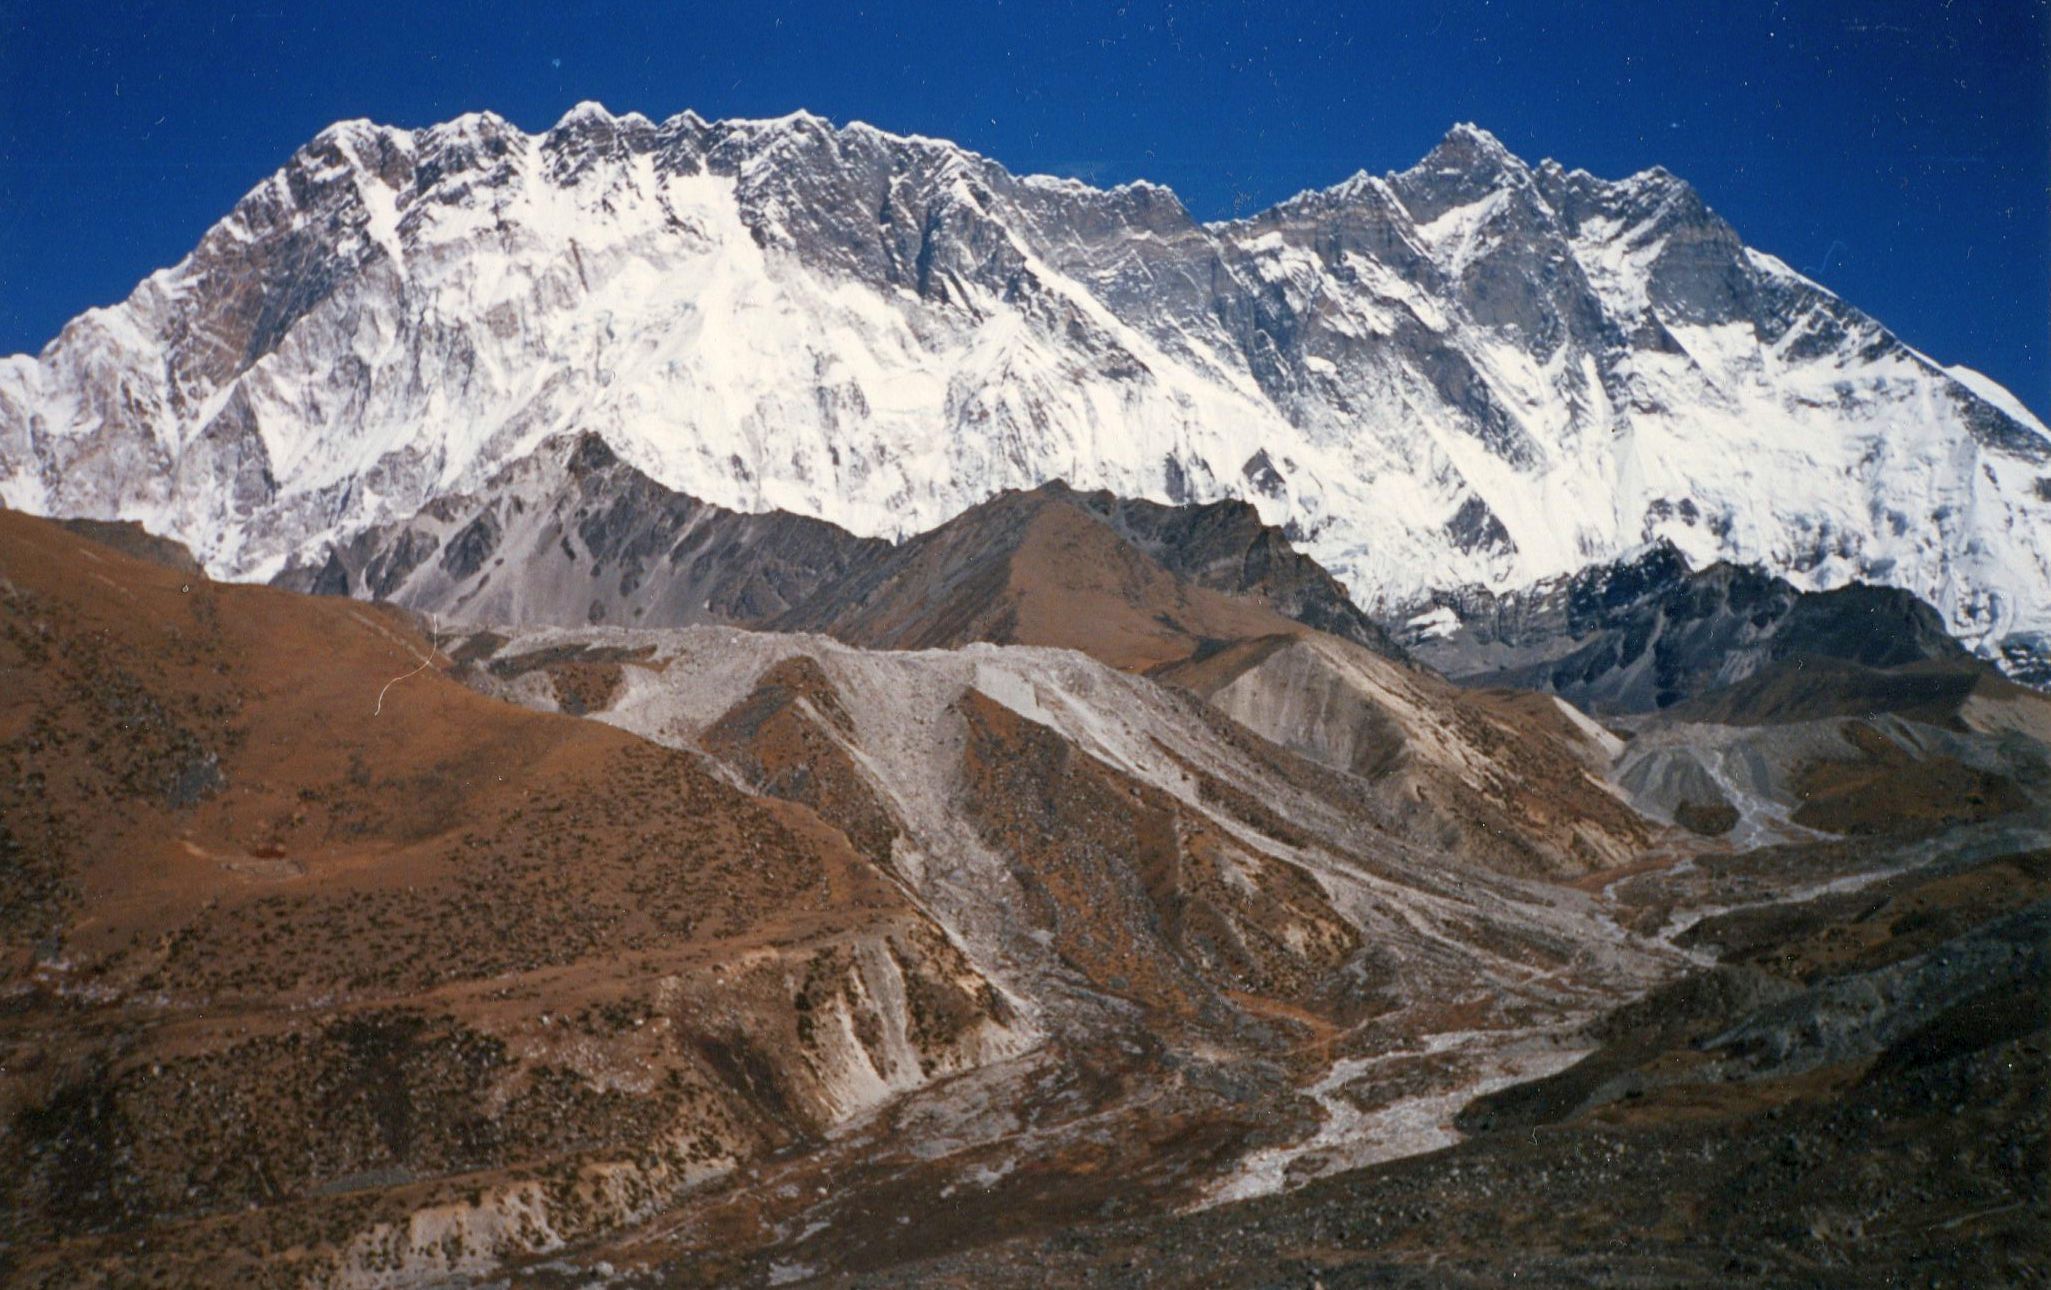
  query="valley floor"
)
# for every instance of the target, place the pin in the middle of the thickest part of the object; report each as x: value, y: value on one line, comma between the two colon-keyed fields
x: 1760, y: 1118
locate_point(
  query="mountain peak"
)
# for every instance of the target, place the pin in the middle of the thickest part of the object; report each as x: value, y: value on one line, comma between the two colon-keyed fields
x: 799, y: 120
x: 1468, y: 150
x: 587, y: 110
x: 352, y: 128
x: 480, y: 122
x: 1465, y: 135
x: 1468, y: 164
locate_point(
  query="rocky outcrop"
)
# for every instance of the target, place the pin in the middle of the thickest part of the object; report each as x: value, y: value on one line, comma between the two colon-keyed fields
x: 1648, y: 633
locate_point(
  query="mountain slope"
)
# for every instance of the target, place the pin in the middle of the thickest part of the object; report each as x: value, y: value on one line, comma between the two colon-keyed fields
x: 449, y: 983
x: 572, y: 535
x: 1820, y: 745
x: 1734, y: 1128
x: 1225, y: 546
x: 1139, y: 870
x: 848, y: 957
x: 1517, y: 781
x: 1473, y: 371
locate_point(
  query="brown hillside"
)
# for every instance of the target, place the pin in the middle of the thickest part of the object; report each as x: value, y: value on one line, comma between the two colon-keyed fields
x: 1035, y: 568
x: 304, y: 940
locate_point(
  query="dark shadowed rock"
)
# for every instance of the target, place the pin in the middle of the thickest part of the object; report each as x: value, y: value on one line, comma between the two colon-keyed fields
x: 1645, y: 634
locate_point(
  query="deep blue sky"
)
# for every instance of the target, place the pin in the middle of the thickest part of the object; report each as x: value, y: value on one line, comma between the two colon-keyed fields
x: 1900, y: 153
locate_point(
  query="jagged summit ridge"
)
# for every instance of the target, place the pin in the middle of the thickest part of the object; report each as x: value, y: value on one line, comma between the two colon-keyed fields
x: 1474, y: 371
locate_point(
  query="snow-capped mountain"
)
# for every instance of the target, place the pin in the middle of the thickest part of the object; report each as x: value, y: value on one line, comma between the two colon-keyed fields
x: 1475, y: 371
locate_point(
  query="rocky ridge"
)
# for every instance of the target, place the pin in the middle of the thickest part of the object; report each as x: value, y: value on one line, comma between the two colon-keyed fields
x: 1644, y: 634
x: 573, y: 535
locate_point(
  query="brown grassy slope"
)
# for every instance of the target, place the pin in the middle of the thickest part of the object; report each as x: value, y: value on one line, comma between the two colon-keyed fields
x: 284, y: 963
x: 1148, y: 901
x: 197, y: 749
x: 786, y: 739
x: 1887, y: 790
x: 1809, y: 689
x: 131, y: 538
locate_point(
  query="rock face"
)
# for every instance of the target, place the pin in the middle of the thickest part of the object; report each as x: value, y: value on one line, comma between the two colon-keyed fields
x: 1644, y: 634
x: 1475, y: 371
